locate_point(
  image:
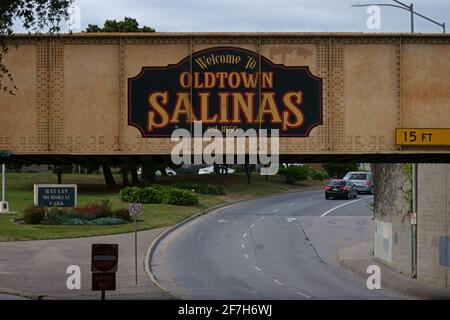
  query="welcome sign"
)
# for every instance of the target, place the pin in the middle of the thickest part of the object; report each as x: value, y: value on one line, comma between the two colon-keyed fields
x: 226, y: 88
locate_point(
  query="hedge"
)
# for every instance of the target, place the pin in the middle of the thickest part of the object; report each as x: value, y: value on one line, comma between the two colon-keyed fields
x: 166, y: 195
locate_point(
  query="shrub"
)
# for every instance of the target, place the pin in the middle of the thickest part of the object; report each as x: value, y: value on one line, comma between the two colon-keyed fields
x: 72, y: 222
x: 33, y: 214
x: 319, y: 175
x: 294, y: 174
x: 121, y: 213
x: 200, y: 188
x: 166, y: 195
x: 106, y: 221
x: 58, y: 216
x: 179, y: 197
x: 94, y: 210
x: 216, y: 190
x: 141, y: 195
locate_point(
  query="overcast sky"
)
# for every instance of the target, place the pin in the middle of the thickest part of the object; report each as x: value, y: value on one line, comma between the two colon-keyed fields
x: 260, y: 15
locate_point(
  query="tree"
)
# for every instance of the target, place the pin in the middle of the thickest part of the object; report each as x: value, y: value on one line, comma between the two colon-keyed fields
x: 35, y: 15
x: 126, y: 25
x: 59, y: 169
x: 107, y: 174
x: 338, y: 170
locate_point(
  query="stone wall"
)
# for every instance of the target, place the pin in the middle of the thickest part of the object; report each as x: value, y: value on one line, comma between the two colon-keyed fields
x: 392, y: 225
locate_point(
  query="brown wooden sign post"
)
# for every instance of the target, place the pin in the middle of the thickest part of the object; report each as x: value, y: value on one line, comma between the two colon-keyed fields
x: 104, y: 261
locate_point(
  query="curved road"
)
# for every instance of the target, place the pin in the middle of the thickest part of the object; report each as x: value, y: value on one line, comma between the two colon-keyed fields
x: 259, y: 249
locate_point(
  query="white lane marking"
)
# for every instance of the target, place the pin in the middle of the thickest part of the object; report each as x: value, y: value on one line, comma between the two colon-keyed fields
x: 257, y: 269
x: 291, y: 219
x: 244, y: 235
x: 291, y: 204
x: 252, y: 226
x: 243, y: 246
x: 221, y: 221
x: 262, y: 218
x: 303, y: 295
x: 246, y: 255
x: 277, y: 282
x: 341, y: 205
x: 276, y: 210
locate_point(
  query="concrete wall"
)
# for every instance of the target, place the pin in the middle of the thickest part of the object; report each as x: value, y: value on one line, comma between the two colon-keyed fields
x: 433, y: 224
x: 392, y: 227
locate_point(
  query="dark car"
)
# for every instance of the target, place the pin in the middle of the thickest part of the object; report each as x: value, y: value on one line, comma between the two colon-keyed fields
x: 340, y: 189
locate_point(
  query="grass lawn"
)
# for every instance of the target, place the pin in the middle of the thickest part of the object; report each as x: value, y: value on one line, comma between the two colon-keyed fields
x: 91, y: 188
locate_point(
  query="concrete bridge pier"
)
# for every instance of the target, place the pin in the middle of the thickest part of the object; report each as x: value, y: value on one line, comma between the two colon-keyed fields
x: 392, y: 224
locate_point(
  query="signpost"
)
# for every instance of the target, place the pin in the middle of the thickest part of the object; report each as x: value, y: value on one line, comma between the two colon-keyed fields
x: 135, y: 210
x: 422, y: 137
x: 104, y: 261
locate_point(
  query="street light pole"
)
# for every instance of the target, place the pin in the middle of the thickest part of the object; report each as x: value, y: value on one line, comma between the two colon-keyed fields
x: 409, y: 8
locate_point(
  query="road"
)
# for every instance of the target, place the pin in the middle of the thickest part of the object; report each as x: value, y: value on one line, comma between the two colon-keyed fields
x: 263, y: 249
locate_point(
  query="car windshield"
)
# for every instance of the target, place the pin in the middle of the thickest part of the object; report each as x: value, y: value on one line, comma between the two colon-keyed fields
x: 358, y: 176
x: 338, y: 183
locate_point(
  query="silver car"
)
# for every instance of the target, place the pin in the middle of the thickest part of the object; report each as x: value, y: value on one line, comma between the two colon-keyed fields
x: 362, y: 180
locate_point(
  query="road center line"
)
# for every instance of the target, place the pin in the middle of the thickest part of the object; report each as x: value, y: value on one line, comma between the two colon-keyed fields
x: 341, y: 205
x: 257, y: 269
x: 277, y: 282
x: 252, y: 226
x: 245, y: 235
x: 303, y: 295
x: 243, y: 246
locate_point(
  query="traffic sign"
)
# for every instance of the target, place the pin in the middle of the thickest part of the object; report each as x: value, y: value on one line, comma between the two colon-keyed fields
x: 422, y: 137
x: 104, y: 281
x: 134, y: 209
x: 104, y: 257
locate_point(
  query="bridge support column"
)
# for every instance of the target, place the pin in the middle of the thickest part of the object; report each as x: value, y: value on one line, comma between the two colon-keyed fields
x: 422, y: 250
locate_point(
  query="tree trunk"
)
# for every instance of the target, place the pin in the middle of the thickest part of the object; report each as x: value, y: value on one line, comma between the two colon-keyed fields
x: 107, y: 174
x: 59, y: 174
x: 248, y: 172
x: 124, y: 172
x: 134, y: 176
x: 148, y: 173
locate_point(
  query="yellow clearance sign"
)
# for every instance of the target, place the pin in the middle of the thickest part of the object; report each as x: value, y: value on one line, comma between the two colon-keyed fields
x: 422, y: 137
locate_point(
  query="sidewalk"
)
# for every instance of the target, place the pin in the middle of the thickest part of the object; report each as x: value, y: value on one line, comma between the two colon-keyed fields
x: 37, y: 269
x: 358, y: 257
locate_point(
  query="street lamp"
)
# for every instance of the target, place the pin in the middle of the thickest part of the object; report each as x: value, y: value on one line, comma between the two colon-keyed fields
x: 403, y: 6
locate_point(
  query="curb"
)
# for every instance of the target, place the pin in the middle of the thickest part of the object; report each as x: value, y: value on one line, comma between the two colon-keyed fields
x: 22, y: 294
x: 162, y: 235
x: 423, y: 291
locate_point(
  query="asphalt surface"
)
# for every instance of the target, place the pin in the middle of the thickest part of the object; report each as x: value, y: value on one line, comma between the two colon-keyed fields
x: 259, y: 249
